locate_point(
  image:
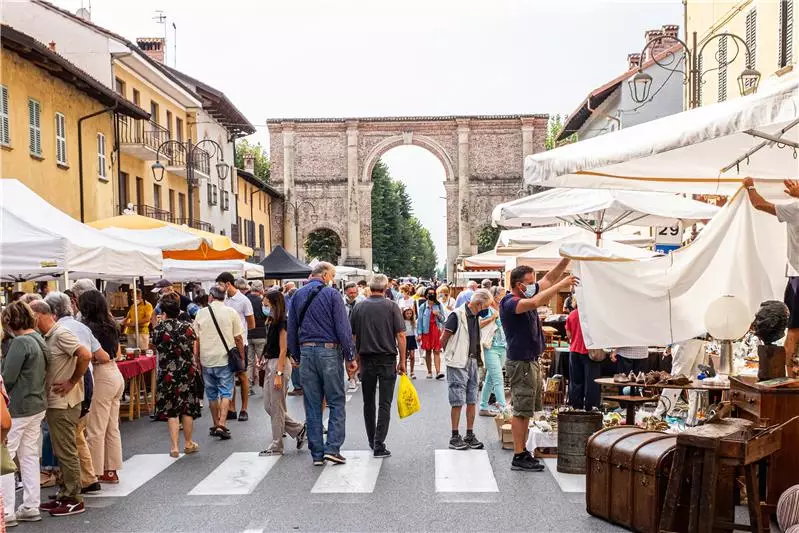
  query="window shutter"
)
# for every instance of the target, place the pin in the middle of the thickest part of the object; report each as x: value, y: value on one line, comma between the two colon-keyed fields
x: 60, y: 139
x: 722, y: 69
x: 101, y: 167
x: 35, y: 127
x: 5, y: 137
x: 751, y: 39
x: 785, y: 39
x: 210, y: 194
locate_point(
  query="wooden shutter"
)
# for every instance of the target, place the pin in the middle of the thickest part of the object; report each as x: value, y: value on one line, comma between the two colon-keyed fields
x: 723, y: 68
x: 5, y: 136
x: 60, y: 139
x: 101, y: 167
x: 785, y: 37
x: 35, y: 126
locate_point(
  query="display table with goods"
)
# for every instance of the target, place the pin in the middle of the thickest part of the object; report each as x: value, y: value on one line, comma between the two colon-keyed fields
x: 137, y: 372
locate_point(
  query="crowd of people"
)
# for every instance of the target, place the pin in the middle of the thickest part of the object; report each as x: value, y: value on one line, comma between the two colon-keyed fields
x: 62, y: 387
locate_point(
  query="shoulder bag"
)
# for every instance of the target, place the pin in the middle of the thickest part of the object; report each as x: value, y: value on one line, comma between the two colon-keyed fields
x: 234, y: 360
x: 301, y: 317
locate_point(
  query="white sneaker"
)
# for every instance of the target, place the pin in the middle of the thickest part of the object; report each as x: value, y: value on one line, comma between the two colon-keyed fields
x: 25, y: 514
x: 353, y: 387
x: 11, y: 520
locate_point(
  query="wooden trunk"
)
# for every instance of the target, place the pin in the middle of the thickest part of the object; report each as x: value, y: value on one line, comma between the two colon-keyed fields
x: 627, y: 474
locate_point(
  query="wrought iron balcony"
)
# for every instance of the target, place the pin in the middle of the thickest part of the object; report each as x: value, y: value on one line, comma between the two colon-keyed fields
x: 154, y: 212
x: 141, y: 138
x: 196, y: 224
x: 176, y: 161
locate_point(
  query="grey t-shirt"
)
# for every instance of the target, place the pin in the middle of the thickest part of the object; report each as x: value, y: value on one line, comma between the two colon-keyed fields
x: 375, y: 324
x: 789, y: 214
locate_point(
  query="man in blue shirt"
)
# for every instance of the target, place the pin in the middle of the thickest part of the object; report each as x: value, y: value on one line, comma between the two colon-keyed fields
x: 466, y: 295
x: 525, y: 344
x: 319, y: 334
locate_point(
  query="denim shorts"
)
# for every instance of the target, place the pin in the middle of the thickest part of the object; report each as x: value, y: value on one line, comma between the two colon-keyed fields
x: 463, y: 384
x: 218, y: 382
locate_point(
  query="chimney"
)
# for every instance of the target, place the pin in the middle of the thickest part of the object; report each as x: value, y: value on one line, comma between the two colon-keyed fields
x: 153, y: 47
x: 665, y: 38
x: 671, y: 30
x: 51, y: 46
x: 633, y: 61
x: 249, y: 163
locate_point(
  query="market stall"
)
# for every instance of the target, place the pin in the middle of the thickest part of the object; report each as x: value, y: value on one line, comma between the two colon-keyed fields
x: 181, y: 271
x: 282, y: 265
x: 520, y: 240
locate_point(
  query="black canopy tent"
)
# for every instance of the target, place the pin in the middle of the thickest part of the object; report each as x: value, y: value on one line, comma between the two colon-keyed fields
x: 282, y: 265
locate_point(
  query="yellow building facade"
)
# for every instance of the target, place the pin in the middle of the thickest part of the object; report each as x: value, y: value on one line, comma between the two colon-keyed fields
x: 139, y: 144
x: 254, y: 207
x: 767, y: 26
x: 41, y: 108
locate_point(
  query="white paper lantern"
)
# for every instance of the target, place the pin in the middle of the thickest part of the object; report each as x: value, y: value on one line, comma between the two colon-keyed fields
x: 727, y: 318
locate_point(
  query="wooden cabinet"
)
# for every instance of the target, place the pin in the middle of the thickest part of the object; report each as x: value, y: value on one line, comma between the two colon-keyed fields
x: 768, y: 407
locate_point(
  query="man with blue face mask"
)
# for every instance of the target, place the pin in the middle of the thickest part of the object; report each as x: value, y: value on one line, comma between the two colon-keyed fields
x: 525, y: 344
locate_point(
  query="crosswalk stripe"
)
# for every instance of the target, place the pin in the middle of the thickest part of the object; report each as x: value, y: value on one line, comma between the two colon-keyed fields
x: 240, y: 473
x: 135, y: 472
x: 464, y: 471
x: 566, y: 482
x: 358, y: 475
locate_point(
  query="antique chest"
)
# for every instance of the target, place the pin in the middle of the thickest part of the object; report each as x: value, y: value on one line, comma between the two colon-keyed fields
x: 627, y: 473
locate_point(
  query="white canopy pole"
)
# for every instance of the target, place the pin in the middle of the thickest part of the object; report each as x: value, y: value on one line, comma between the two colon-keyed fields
x: 136, y: 312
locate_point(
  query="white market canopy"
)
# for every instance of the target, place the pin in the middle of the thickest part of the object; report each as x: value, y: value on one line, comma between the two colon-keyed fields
x: 165, y: 238
x: 525, y: 239
x: 37, y: 241
x: 600, y: 210
x: 345, y: 272
x: 707, y: 150
x: 182, y: 271
x: 581, y: 244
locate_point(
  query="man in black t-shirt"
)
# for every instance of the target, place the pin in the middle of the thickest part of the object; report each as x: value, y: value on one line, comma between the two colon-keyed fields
x: 379, y: 332
x: 257, y: 335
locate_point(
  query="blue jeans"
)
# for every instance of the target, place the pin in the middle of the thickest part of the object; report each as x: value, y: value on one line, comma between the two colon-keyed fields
x: 49, y: 460
x: 295, y: 378
x: 322, y: 376
x: 584, y: 392
x: 494, y: 359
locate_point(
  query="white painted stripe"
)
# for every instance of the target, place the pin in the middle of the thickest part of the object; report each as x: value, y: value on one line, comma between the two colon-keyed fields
x: 358, y: 475
x: 238, y: 474
x: 135, y: 472
x: 566, y: 482
x: 253, y: 531
x: 349, y: 397
x: 464, y: 471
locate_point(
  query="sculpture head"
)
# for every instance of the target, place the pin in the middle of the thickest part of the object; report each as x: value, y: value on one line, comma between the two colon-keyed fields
x: 771, y: 321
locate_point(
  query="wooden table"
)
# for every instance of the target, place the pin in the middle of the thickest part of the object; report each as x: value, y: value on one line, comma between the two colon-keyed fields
x: 715, y: 390
x: 630, y: 402
x: 135, y: 372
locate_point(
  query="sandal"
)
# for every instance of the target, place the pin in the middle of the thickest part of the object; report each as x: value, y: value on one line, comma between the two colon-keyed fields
x: 194, y: 447
x: 174, y: 454
x: 429, y: 376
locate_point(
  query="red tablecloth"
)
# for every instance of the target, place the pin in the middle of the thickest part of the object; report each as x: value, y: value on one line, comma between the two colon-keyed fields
x: 135, y: 367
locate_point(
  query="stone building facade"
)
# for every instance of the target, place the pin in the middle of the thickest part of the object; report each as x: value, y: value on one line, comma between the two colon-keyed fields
x: 323, y: 167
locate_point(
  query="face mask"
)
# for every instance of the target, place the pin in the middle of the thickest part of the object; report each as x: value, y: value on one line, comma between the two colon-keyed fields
x: 267, y: 310
x: 529, y: 291
x: 431, y: 297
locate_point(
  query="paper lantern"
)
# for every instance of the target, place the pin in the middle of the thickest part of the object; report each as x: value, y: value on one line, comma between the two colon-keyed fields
x: 727, y: 318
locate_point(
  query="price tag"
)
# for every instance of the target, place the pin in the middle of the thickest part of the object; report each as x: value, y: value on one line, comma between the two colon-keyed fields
x: 669, y: 234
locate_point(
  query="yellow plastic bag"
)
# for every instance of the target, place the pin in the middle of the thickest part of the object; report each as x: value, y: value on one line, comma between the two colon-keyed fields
x: 407, y: 399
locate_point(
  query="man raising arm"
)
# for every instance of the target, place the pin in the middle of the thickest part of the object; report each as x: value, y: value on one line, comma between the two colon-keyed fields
x: 787, y: 213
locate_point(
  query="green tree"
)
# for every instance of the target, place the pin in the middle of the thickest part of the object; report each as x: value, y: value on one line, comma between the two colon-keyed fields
x: 401, y: 246
x: 323, y: 244
x: 262, y: 163
x: 487, y: 238
x: 554, y: 129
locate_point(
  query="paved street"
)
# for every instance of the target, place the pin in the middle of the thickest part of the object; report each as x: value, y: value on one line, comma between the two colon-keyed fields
x: 424, y: 486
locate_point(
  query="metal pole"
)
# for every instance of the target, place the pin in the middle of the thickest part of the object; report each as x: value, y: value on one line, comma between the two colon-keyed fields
x: 136, y: 314
x: 190, y: 180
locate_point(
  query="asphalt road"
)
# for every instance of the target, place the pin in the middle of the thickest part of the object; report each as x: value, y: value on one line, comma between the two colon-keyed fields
x: 424, y: 486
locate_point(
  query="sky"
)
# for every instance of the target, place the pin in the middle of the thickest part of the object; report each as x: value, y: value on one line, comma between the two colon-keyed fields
x: 351, y: 58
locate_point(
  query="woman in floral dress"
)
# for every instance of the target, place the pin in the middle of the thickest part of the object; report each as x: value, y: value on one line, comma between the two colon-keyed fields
x: 178, y: 375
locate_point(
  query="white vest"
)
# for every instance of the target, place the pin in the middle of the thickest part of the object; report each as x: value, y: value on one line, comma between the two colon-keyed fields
x: 456, y: 354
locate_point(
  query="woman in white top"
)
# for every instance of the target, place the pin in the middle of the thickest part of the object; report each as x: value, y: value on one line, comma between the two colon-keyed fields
x: 447, y: 303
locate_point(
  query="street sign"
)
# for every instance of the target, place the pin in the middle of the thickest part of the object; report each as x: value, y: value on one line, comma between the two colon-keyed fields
x: 666, y: 248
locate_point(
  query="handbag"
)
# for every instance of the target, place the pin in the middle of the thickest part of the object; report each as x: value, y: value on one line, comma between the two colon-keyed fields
x: 597, y: 355
x: 7, y: 465
x: 234, y: 360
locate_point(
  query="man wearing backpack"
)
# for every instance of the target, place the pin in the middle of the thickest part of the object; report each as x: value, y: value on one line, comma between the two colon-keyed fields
x: 319, y: 333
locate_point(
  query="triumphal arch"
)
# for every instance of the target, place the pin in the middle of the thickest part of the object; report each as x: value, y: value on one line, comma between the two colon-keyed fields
x: 324, y: 166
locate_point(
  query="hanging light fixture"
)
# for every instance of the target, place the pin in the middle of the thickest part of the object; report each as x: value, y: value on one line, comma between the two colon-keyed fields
x: 748, y: 81
x: 221, y: 170
x: 640, y: 86
x: 158, y: 171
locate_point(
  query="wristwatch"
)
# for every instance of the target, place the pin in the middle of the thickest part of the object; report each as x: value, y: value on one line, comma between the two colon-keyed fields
x: 279, y: 373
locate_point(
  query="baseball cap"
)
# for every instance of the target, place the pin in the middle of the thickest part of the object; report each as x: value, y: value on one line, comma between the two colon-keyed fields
x: 161, y: 284
x: 192, y: 309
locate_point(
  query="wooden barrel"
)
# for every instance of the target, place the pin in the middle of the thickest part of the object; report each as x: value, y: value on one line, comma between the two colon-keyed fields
x: 574, y: 429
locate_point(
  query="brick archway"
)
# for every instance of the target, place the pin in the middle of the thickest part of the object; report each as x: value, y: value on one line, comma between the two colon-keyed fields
x: 328, y: 163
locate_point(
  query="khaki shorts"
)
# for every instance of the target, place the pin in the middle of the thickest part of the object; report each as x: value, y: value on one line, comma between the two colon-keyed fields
x: 525, y: 387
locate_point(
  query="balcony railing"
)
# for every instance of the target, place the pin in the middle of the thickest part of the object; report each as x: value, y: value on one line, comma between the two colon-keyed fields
x: 154, y: 212
x: 196, y: 224
x: 177, y: 158
x: 142, y: 132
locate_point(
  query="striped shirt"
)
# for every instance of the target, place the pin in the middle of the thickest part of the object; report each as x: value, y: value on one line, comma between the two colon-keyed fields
x: 633, y: 352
